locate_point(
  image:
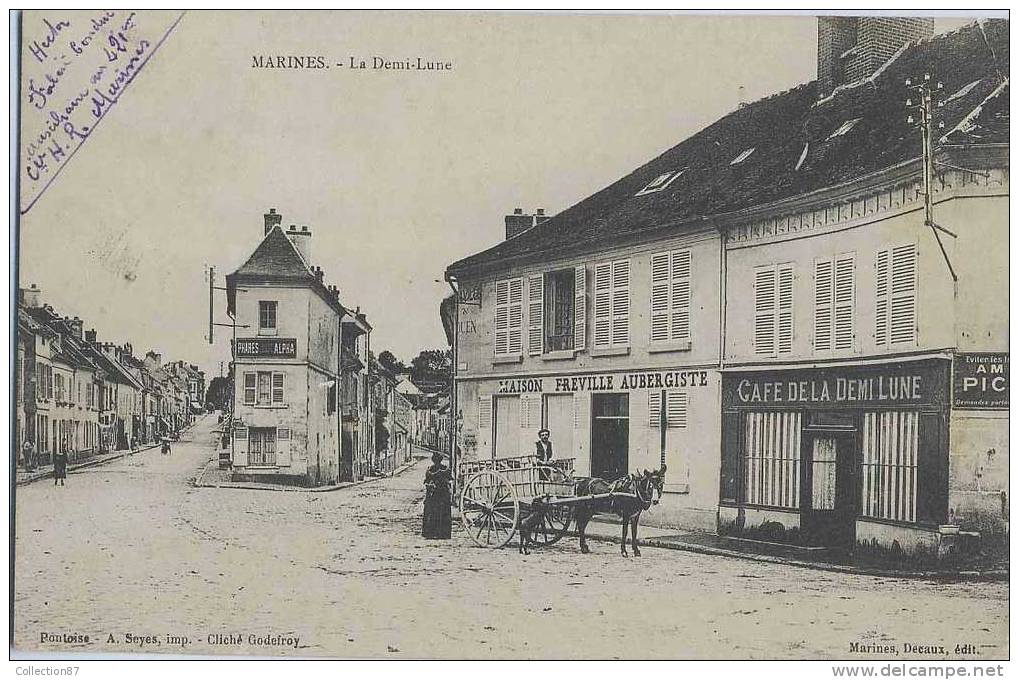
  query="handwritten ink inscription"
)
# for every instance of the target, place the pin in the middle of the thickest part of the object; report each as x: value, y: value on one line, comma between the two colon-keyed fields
x: 74, y: 68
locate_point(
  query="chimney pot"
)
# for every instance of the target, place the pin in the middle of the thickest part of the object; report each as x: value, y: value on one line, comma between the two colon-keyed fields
x: 540, y: 212
x: 272, y: 219
x: 304, y: 229
x: 518, y: 211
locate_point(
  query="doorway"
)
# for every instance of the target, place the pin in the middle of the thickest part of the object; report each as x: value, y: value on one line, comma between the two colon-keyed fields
x: 610, y: 435
x: 829, y: 497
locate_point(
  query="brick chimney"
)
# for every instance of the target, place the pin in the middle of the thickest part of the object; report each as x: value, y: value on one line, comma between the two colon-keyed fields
x: 518, y: 222
x: 301, y: 240
x: 90, y: 336
x: 853, y: 48
x: 540, y: 216
x: 272, y: 219
x: 31, y: 297
x: 75, y: 326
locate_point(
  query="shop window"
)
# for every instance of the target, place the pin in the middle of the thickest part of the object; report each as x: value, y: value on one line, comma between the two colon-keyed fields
x: 509, y: 317
x: 612, y: 304
x: 670, y: 297
x: 890, y: 451
x: 772, y: 459
x: 773, y: 309
x: 267, y: 317
x: 896, y: 291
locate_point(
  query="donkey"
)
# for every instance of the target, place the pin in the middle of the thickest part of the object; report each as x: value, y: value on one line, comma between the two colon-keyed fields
x: 640, y: 490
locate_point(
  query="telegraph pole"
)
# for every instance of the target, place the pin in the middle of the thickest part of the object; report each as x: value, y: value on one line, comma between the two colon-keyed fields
x: 921, y: 105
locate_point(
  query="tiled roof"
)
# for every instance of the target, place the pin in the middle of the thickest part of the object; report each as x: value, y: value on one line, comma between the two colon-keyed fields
x: 275, y: 256
x: 795, y: 151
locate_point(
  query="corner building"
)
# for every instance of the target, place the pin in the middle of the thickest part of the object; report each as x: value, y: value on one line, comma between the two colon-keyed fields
x: 287, y: 425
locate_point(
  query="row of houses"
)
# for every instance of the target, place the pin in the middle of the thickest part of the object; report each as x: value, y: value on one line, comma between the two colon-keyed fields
x: 430, y: 412
x: 768, y: 308
x: 79, y: 396
x: 310, y: 405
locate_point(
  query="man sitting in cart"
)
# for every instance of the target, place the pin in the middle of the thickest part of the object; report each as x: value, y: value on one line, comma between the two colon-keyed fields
x: 543, y: 452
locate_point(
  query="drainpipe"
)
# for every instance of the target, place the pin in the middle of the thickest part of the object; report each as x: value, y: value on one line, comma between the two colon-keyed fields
x: 453, y: 400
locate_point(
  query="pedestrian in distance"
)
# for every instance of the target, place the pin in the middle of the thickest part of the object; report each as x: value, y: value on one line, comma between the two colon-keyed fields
x: 438, y: 520
x: 59, y: 467
x: 166, y: 445
x: 28, y: 455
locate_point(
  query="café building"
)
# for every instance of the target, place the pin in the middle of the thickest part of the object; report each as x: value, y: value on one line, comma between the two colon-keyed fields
x: 764, y: 308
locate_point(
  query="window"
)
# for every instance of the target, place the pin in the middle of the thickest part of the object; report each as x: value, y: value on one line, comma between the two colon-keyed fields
x: 509, y: 317
x: 772, y: 459
x: 670, y: 297
x: 743, y: 156
x: 553, y: 301
x: 660, y: 182
x: 330, y: 399
x: 834, y: 302
x: 895, y: 306
x: 266, y: 316
x: 262, y: 446
x: 676, y: 403
x: 249, y: 388
x: 891, y: 442
x: 844, y: 128
x: 612, y: 304
x: 773, y: 309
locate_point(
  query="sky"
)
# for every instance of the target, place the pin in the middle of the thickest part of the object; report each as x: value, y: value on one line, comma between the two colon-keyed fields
x: 396, y: 173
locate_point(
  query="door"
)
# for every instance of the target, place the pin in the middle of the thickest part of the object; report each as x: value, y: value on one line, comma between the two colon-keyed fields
x: 261, y: 446
x: 610, y: 435
x: 829, y: 494
x: 507, y: 427
x: 559, y: 422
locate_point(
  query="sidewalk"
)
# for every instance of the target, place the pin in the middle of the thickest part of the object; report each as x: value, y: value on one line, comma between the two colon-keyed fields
x: 213, y: 477
x: 23, y: 477
x: 825, y: 559
x: 46, y: 471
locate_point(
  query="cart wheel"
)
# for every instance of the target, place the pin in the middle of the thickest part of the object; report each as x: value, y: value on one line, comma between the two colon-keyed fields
x: 489, y: 509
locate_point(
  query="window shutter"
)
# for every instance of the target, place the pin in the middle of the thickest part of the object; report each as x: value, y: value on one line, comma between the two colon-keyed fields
x: 282, y: 446
x: 823, y: 293
x: 535, y: 315
x: 654, y: 409
x: 675, y: 408
x: 785, y: 309
x: 502, y: 317
x: 902, y: 315
x: 240, y: 447
x: 681, y: 265
x: 582, y: 432
x: 580, y: 308
x: 881, y: 301
x: 516, y: 316
x: 660, y: 279
x: 485, y: 426
x: 621, y: 303
x: 530, y: 421
x: 764, y: 310
x: 845, y: 273
x: 249, y: 388
x: 602, y: 304
x: 277, y: 388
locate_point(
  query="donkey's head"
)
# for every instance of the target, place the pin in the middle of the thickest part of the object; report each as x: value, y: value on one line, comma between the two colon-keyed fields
x: 652, y: 484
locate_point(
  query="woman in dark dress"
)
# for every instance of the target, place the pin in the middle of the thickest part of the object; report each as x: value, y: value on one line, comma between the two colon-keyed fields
x: 59, y: 467
x: 438, y: 521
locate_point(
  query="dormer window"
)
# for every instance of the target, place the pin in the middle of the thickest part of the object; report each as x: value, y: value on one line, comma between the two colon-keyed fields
x: 743, y: 156
x: 661, y: 182
x: 843, y: 129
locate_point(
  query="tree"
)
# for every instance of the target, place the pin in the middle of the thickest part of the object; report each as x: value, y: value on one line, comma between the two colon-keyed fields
x: 218, y: 393
x: 431, y: 369
x: 388, y: 361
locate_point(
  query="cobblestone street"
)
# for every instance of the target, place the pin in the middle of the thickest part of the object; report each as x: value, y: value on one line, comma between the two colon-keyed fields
x: 138, y: 560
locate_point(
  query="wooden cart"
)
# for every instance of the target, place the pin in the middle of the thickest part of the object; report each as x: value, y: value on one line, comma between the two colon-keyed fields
x: 496, y: 494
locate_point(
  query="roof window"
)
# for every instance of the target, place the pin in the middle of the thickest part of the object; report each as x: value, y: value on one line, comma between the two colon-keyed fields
x: 803, y: 156
x: 963, y: 91
x: 743, y: 156
x: 660, y: 182
x: 844, y: 128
